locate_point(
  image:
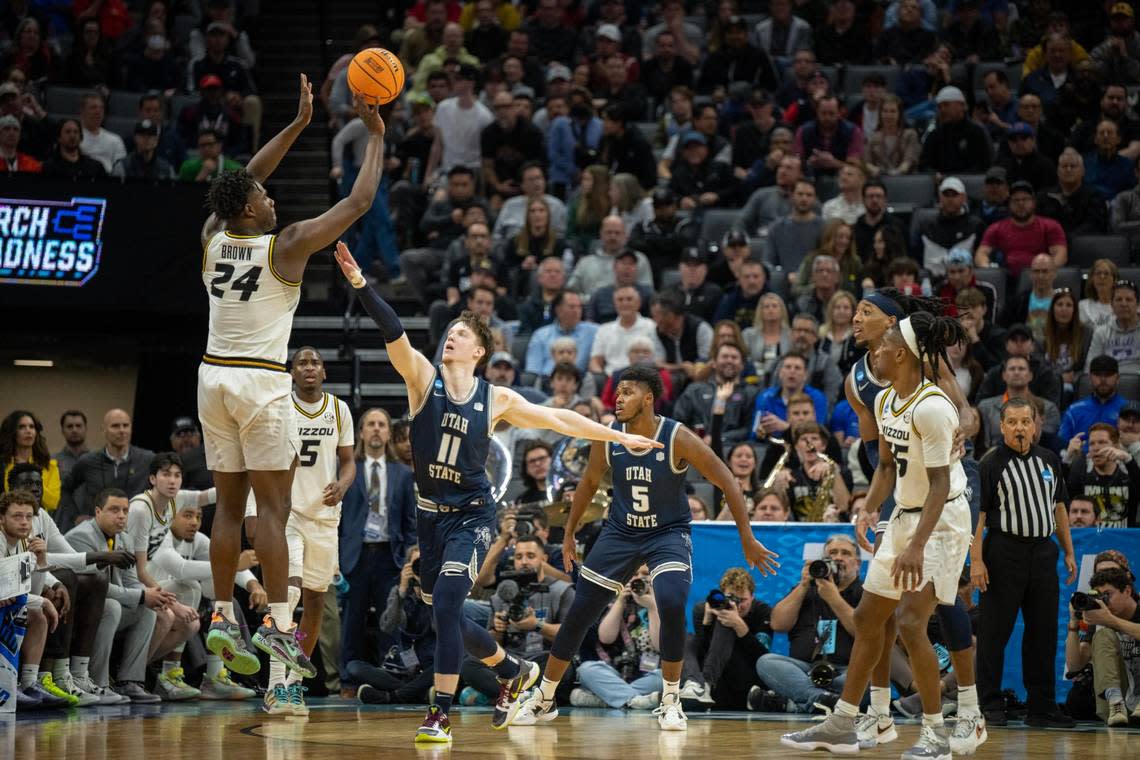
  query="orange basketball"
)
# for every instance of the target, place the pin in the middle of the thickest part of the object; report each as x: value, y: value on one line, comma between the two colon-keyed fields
x: 376, y: 75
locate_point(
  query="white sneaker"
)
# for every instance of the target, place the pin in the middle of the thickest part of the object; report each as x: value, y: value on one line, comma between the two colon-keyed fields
x: 585, y: 698
x: 222, y: 687
x: 969, y: 733
x: 535, y: 710
x: 644, y: 701
x: 874, y: 729
x: 1117, y: 714
x: 670, y: 716
x: 105, y: 695
x: 86, y: 698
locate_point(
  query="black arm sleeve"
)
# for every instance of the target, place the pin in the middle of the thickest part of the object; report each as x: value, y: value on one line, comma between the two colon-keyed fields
x: 382, y: 314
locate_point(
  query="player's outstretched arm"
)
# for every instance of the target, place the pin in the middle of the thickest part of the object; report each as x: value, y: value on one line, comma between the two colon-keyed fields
x: 516, y: 410
x: 693, y: 450
x: 299, y: 241
x: 413, y: 366
x: 265, y: 161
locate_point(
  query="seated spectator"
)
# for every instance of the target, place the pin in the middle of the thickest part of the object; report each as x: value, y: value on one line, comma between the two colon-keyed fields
x: 1023, y: 235
x: 745, y: 469
x: 698, y: 510
x: 837, y: 339
x: 156, y: 69
x: 698, y: 180
x: 144, y: 162
x: 666, y: 68
x: 424, y: 37
x: 1044, y: 23
x: 450, y: 49
x: 588, y: 206
x: 664, y: 238
x: 212, y: 112
x: 210, y: 162
x: 567, y: 307
x: 235, y: 80
x: 986, y: 339
x: 597, y: 270
x: 1120, y: 338
x: 466, y: 255
x: 535, y: 241
x: 736, y: 61
x: 792, y: 237
x: 768, y: 204
x: 1125, y: 214
x: 845, y: 40
x: 802, y: 481
x: 537, y: 310
x: 505, y: 145
x: 700, y: 297
x: 751, y: 138
x: 887, y: 245
x: 643, y: 352
x: 803, y: 615
x: 771, y: 507
x: 627, y: 647
x: 1109, y: 476
x: 959, y: 276
x: 624, y: 149
x: 698, y: 403
x: 683, y: 338
x: 609, y: 351
x: 585, y: 390
x: 99, y: 144
x: 740, y: 302
x: 828, y: 141
x: 907, y: 41
x: 1096, y: 306
x: 29, y: 52
x: 1113, y: 106
x: 1046, y: 81
x: 1066, y: 342
x: 1045, y: 383
x: 618, y: 88
x: 957, y: 144
x: 848, y: 205
x: 1103, y: 405
x: 822, y: 372
x: 1079, y: 208
x: 92, y: 59
x: 1108, y: 171
x: 677, y: 120
x: 14, y: 160
x: 705, y: 121
x: 1118, y: 57
x: 67, y: 160
x: 1030, y: 307
x: 769, y: 336
x: 729, y: 638
x: 795, y: 94
x: 222, y: 11
x: 629, y: 201
x: 1082, y: 512
x: 838, y: 244
x: 783, y: 35
x: 1024, y: 163
x: 512, y: 216
x: 771, y: 418
x: 893, y: 148
x: 1017, y: 375
x: 999, y: 112
x: 918, y: 86
x: 22, y: 442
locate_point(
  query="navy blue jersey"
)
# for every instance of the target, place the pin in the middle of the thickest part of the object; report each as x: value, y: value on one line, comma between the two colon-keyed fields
x: 867, y: 387
x: 649, y: 490
x: 450, y: 440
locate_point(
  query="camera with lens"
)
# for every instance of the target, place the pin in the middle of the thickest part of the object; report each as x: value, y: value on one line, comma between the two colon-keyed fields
x: 823, y: 568
x: 638, y: 586
x: 524, y: 525
x: 1084, y: 602
x: 823, y: 673
x: 718, y: 600
x: 515, y: 589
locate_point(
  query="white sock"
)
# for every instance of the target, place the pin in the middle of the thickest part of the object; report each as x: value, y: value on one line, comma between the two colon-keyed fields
x: 60, y: 669
x: 293, y: 596
x: 934, y: 721
x: 169, y: 665
x: 548, y: 688
x: 213, y: 665
x: 968, y: 701
x: 279, y: 611
x: 79, y: 666
x: 881, y: 701
x: 293, y: 677
x: 671, y: 691
x: 1113, y: 695
x: 276, y: 672
x: 846, y: 709
x: 226, y: 609
x: 29, y: 674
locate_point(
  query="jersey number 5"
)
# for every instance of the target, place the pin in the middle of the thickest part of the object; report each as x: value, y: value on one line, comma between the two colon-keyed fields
x: 246, y: 284
x: 309, y: 451
x: 899, y: 453
x: 640, y: 498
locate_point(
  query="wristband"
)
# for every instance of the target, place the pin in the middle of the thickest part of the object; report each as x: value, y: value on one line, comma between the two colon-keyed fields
x: 538, y: 626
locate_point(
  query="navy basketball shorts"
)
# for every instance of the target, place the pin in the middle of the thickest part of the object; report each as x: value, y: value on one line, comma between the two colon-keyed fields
x: 616, y: 556
x: 452, y: 542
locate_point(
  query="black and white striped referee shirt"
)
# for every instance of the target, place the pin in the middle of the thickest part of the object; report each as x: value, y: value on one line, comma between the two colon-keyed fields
x: 1020, y: 492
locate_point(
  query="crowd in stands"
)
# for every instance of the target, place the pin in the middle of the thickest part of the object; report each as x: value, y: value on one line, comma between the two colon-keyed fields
x: 155, y: 90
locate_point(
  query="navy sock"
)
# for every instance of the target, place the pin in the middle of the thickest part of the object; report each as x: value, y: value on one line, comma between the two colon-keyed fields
x: 508, y: 667
x: 443, y: 701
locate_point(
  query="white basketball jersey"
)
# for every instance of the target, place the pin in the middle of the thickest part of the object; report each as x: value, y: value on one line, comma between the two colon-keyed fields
x: 251, y: 306
x: 323, y: 427
x: 920, y: 433
x: 148, y: 521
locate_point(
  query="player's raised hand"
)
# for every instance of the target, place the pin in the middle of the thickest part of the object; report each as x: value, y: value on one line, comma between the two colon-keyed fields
x: 760, y: 558
x: 370, y: 115
x: 305, y: 106
x: 637, y: 443
x: 348, y: 265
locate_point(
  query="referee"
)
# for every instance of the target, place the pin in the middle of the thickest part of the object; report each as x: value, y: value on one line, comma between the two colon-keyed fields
x: 1023, y: 503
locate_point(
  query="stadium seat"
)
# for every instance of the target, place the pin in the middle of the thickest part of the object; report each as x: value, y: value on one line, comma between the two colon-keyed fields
x: 718, y: 221
x: 123, y: 126
x: 647, y: 128
x: 518, y: 348
x: 826, y: 187
x: 757, y: 248
x: 123, y: 103
x: 996, y: 277
x: 1086, y: 249
x: 915, y: 189
x: 669, y: 278
x: 705, y: 492
x: 1132, y: 274
x: 65, y: 100
x: 974, y: 184
x: 778, y: 283
x: 853, y: 77
x: 177, y: 103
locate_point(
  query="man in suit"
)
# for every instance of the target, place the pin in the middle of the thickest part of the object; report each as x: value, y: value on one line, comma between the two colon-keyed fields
x: 134, y: 610
x: 377, y: 527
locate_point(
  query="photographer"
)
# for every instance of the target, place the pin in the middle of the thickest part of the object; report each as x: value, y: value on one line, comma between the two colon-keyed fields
x: 735, y: 630
x: 1112, y: 608
x: 515, y: 524
x: 627, y: 672
x: 1081, y: 702
x: 408, y: 670
x: 525, y: 623
x: 819, y: 617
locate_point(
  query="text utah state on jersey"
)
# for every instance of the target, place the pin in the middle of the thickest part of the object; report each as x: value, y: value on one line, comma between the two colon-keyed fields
x: 645, y: 475
x: 449, y: 448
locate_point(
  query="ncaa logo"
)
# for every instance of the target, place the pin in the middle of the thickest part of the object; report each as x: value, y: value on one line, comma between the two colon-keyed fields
x: 1047, y: 474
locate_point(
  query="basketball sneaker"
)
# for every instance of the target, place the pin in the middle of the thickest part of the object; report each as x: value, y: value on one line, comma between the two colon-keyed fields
x: 282, y: 645
x: 436, y: 727
x: 511, y: 692
x: 670, y: 716
x: 105, y: 695
x: 222, y: 687
x: 48, y: 684
x: 67, y: 683
x: 225, y: 640
x: 276, y: 701
x: 836, y: 734
x: 580, y: 697
x: 297, y: 699
x: 172, y: 688
x: 933, y: 744
x: 535, y: 710
x: 874, y: 729
x: 41, y: 697
x: 969, y: 733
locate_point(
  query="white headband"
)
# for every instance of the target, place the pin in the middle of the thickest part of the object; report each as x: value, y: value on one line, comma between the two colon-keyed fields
x: 908, y: 336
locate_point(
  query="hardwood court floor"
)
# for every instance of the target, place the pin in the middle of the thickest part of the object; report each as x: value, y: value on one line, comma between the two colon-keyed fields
x: 336, y: 730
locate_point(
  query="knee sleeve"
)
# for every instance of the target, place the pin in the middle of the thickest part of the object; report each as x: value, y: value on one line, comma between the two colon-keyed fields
x: 672, y: 591
x: 955, y: 623
x: 590, y: 601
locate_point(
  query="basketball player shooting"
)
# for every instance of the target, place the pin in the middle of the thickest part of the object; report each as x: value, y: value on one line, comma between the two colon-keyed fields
x: 925, y: 544
x: 648, y: 523
x: 453, y: 415
x: 245, y: 405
